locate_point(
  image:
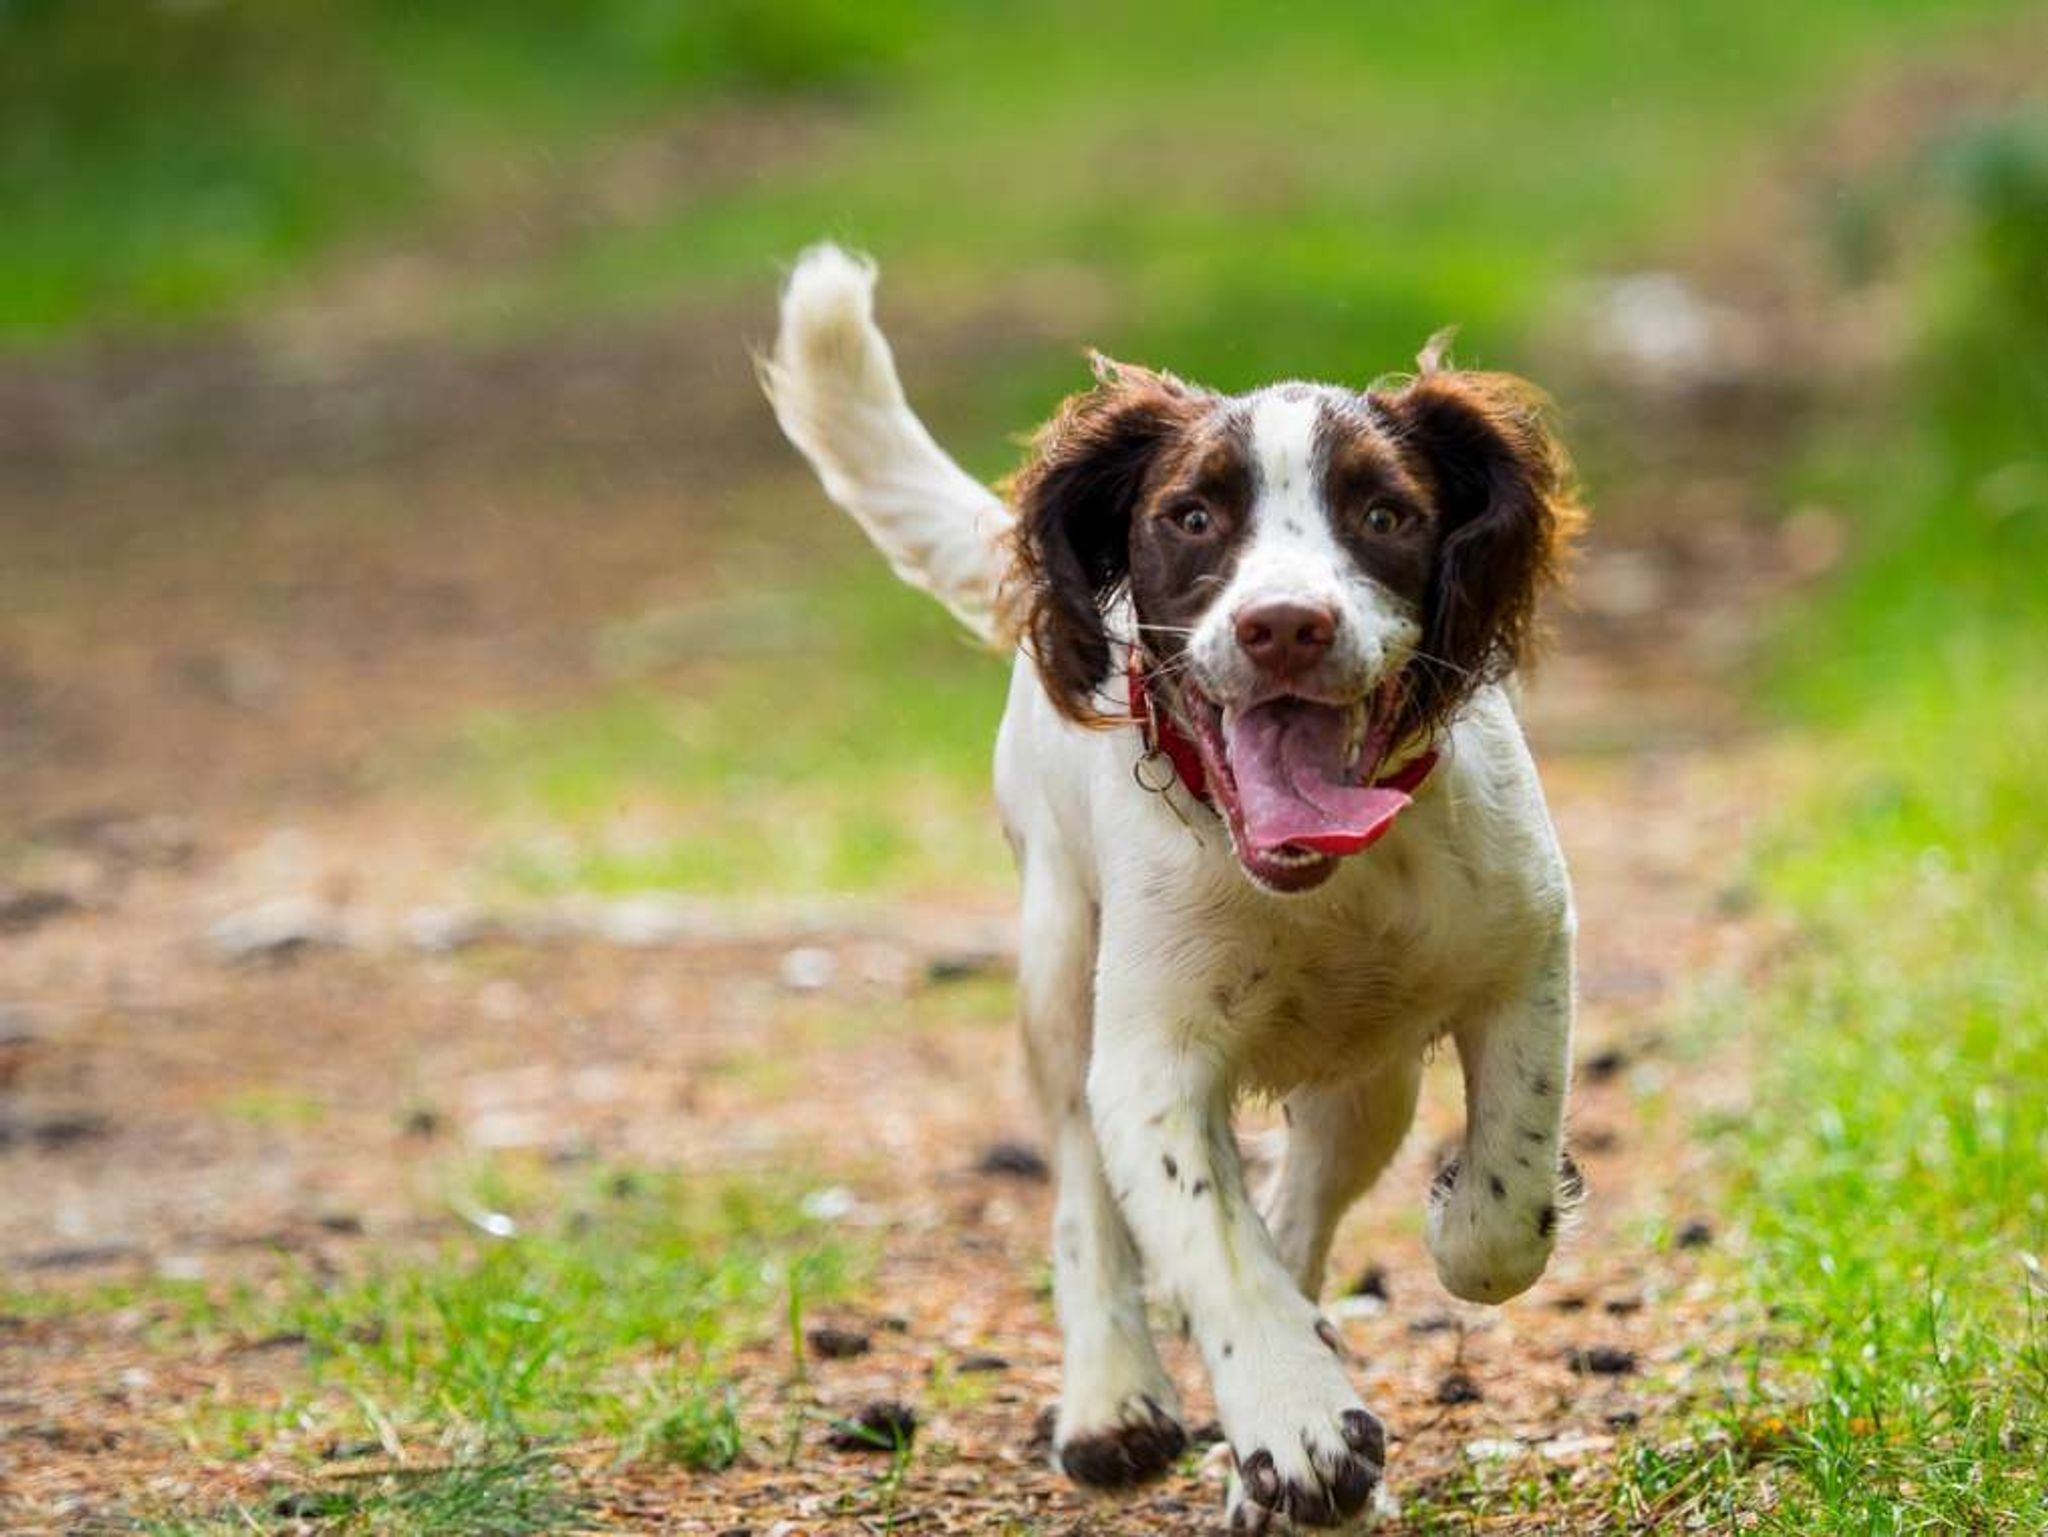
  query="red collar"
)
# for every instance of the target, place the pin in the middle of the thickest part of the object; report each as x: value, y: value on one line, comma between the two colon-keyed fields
x: 1164, y: 736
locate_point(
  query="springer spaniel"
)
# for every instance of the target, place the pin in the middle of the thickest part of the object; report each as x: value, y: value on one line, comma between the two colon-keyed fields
x: 1259, y: 635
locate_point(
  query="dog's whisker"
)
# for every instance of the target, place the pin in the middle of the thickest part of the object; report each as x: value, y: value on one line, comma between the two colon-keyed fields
x: 1438, y: 661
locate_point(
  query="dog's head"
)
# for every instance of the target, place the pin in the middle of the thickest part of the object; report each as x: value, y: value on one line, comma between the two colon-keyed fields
x: 1318, y: 576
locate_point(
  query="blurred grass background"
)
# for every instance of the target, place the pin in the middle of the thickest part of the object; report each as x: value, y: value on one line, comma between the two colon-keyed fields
x: 1308, y: 189
x: 1893, y: 1176
x: 1404, y: 167
x: 167, y: 163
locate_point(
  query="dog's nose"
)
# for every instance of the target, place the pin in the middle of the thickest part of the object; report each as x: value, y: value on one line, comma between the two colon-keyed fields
x: 1286, y: 638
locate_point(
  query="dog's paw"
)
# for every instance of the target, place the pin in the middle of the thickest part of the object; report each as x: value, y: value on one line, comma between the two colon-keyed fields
x: 1491, y: 1237
x: 1137, y: 1446
x: 1329, y: 1476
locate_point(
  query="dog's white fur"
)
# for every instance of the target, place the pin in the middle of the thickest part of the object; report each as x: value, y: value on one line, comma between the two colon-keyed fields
x: 837, y: 396
x: 1158, y: 983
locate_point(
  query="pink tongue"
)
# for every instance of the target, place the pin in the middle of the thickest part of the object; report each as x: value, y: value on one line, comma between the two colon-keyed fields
x: 1288, y: 760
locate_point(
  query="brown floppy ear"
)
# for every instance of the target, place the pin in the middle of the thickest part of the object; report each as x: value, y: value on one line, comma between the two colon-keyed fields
x: 1508, y: 508
x: 1074, y: 498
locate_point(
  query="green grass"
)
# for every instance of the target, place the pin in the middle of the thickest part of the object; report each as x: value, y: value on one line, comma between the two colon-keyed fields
x: 604, y: 1315
x: 590, y: 1321
x: 506, y: 1498
x: 1891, y: 1177
x: 616, y: 1317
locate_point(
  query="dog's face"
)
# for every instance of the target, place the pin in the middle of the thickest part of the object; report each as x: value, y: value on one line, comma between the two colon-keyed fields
x: 1318, y: 575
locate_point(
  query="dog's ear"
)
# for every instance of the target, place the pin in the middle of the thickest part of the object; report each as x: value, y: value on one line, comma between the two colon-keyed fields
x: 1508, y: 508
x: 1075, y: 498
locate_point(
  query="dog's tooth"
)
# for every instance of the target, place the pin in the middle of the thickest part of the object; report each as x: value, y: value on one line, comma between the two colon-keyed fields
x: 1354, y: 736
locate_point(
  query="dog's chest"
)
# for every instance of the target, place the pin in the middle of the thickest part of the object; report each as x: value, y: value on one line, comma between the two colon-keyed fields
x: 1291, y: 1010
x: 1296, y: 995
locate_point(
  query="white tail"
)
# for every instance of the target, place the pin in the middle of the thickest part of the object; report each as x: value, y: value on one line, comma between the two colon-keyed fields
x: 833, y: 384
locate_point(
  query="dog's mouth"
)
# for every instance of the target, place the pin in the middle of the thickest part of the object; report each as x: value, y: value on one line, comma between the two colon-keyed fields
x: 1293, y: 778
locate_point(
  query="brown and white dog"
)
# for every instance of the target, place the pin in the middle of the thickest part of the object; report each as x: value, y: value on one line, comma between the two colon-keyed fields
x: 1253, y: 631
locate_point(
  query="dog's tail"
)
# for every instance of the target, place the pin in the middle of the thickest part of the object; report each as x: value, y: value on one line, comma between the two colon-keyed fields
x: 833, y: 384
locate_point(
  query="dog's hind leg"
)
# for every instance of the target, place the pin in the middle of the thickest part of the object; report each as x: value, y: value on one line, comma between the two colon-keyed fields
x: 1339, y: 1137
x: 1119, y: 1418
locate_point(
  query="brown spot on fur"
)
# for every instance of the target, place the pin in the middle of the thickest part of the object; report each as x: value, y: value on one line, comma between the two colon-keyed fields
x: 1363, y: 469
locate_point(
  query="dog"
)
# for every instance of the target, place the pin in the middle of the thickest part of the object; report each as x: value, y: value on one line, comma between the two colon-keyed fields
x: 1278, y: 833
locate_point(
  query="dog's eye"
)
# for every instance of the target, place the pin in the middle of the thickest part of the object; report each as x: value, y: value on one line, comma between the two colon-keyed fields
x: 1192, y: 518
x: 1382, y: 519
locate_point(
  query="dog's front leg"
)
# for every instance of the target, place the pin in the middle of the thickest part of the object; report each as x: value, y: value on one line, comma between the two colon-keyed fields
x: 1306, y: 1448
x: 1119, y: 1419
x: 1493, y: 1211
